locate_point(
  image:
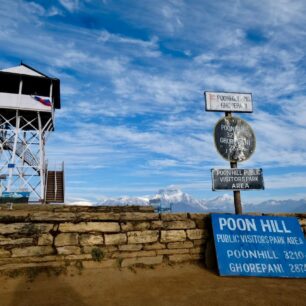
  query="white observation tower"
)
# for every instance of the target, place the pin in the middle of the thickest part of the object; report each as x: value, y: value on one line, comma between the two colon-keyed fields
x: 28, y: 99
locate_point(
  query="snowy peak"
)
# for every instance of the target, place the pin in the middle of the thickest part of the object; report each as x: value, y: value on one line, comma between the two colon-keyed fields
x: 124, y: 201
x: 179, y: 200
x: 172, y: 194
x: 223, y: 203
x: 183, y: 202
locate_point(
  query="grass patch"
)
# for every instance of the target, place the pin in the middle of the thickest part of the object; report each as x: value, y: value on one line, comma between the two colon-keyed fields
x: 30, y: 230
x: 32, y: 272
x: 79, y: 266
x: 97, y: 254
x: 119, y: 262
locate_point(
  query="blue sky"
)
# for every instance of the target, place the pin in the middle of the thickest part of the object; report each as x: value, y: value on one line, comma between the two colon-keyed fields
x: 133, y: 75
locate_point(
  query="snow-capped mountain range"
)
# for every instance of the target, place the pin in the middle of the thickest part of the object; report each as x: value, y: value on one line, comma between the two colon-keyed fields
x: 183, y: 202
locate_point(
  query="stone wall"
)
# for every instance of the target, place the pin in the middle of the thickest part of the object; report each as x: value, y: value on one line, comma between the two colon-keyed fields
x: 101, y: 237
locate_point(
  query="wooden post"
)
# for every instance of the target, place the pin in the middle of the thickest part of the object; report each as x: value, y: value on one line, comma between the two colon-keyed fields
x: 237, y: 198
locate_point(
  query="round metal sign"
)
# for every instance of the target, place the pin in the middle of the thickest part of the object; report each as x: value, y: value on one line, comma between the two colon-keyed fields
x: 234, y: 139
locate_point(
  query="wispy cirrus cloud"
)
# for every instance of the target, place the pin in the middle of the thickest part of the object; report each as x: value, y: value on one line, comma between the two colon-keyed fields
x: 70, y: 5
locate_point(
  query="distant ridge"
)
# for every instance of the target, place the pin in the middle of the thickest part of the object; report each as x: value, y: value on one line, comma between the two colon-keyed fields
x: 183, y: 202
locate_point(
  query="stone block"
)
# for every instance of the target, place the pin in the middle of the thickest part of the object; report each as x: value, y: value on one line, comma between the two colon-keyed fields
x: 194, y: 234
x: 105, y: 249
x: 199, y: 242
x: 78, y: 257
x: 135, y: 226
x: 84, y: 227
x: 142, y: 236
x: 154, y: 246
x: 180, y: 257
x: 27, y: 265
x: 90, y: 239
x: 4, y: 253
x: 108, y: 263
x: 32, y: 251
x: 196, y: 257
x: 12, y: 228
x: 202, y: 224
x: 52, y: 216
x: 184, y: 224
x: 138, y: 216
x: 197, y: 250
x: 156, y: 224
x: 173, y: 251
x: 68, y: 250
x: 199, y: 216
x: 45, y: 239
x: 115, y: 238
x: 27, y: 229
x: 155, y: 260
x: 146, y: 208
x: 174, y: 217
x: 35, y: 229
x: 173, y: 236
x: 134, y: 254
x: 180, y: 245
x: 29, y: 259
x: 41, y: 228
x: 17, y: 241
x: 130, y: 247
x: 98, y: 216
x: 64, y: 239
x: 13, y: 216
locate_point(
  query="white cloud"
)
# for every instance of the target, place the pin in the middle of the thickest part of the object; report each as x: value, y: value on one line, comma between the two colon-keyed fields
x: 279, y: 142
x: 171, y: 12
x: 70, y: 5
x: 106, y: 36
x: 288, y: 180
x: 83, y: 202
x: 54, y: 11
x: 295, y: 111
x: 162, y: 163
x: 35, y: 8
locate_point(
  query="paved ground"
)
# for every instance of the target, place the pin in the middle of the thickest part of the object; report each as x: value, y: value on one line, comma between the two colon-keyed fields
x: 179, y: 285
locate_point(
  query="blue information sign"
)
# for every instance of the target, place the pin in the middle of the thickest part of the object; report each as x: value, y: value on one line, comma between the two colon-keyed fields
x: 259, y: 246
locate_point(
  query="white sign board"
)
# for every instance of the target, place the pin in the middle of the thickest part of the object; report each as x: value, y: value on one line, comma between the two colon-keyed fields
x: 228, y: 102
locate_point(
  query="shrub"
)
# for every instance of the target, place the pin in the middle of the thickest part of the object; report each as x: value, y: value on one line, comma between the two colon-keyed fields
x: 97, y: 254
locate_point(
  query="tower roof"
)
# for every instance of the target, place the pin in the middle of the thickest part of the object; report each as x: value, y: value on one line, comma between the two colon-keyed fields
x: 24, y: 69
x: 32, y: 77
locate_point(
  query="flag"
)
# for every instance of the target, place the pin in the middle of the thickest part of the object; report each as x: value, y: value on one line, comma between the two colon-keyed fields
x: 44, y: 101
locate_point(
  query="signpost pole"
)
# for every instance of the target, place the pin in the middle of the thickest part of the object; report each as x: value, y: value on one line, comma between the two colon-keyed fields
x: 237, y: 198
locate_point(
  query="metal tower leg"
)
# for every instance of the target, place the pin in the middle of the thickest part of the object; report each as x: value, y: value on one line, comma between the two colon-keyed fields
x: 22, y: 144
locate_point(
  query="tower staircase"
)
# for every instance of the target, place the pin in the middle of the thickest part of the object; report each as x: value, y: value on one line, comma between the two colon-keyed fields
x: 21, y: 151
x: 55, y: 186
